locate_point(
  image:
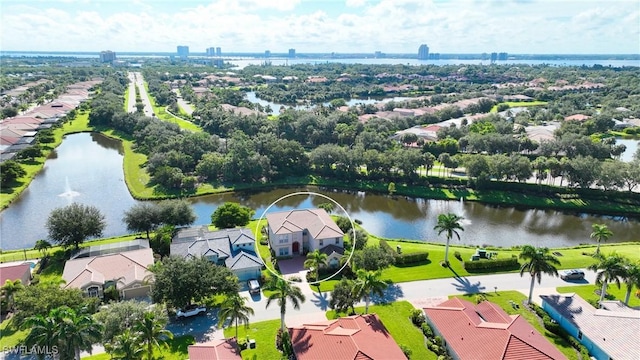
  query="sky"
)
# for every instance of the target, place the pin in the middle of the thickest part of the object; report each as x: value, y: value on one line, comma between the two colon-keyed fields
x: 323, y: 26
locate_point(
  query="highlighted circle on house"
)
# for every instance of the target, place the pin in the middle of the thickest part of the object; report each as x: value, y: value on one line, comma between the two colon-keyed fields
x: 295, y: 233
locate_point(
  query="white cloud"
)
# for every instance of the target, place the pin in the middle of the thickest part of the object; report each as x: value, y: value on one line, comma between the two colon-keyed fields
x: 355, y: 3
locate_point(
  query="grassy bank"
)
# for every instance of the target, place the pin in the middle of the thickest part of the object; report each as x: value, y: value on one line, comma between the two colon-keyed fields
x: 588, y: 292
x: 162, y: 113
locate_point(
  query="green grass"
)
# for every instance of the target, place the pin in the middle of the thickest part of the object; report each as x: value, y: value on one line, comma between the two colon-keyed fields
x: 587, y: 292
x: 175, y: 349
x: 502, y: 299
x: 519, y: 104
x: 9, y: 193
x: 395, y: 317
x: 161, y: 113
x: 10, y: 335
x: 126, y: 99
x: 264, y: 333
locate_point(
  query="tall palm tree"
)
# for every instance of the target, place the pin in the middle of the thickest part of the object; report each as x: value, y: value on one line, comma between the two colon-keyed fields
x: 631, y: 278
x: 152, y: 332
x: 538, y: 261
x: 601, y: 233
x: 235, y: 309
x: 448, y: 224
x: 76, y: 331
x: 42, y: 333
x: 9, y: 289
x: 126, y: 346
x: 314, y: 260
x: 283, y: 291
x: 367, y: 284
x: 609, y: 268
x: 43, y: 246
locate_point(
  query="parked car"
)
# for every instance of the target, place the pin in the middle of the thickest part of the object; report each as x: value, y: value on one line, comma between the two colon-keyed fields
x: 254, y: 286
x: 190, y: 311
x: 572, y: 275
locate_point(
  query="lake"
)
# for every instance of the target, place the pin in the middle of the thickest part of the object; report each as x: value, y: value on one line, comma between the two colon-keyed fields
x: 87, y: 168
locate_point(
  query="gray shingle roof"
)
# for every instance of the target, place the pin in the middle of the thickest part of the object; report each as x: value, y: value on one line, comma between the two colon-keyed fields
x: 613, y: 330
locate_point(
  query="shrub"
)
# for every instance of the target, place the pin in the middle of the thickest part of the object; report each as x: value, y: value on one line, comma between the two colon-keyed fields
x: 411, y: 258
x: 264, y: 241
x: 385, y: 246
x: 457, y: 255
x: 417, y: 317
x: 426, y: 330
x: 496, y: 264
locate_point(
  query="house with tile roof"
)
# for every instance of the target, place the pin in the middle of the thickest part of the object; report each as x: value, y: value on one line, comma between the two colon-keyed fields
x: 232, y: 248
x: 20, y: 272
x: 610, y: 332
x: 296, y: 232
x: 486, y: 331
x: 223, y: 349
x: 357, y: 337
x: 127, y: 270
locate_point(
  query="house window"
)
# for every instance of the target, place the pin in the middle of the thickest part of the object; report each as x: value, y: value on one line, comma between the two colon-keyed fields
x: 337, y: 241
x: 579, y: 335
x: 93, y: 291
x: 321, y: 242
x: 283, y: 252
x: 283, y: 239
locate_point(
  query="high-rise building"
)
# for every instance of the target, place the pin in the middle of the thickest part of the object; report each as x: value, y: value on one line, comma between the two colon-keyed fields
x: 503, y: 56
x: 423, y: 52
x: 218, y: 51
x: 183, y: 51
x: 494, y: 56
x: 107, y: 56
x: 211, y: 51
x: 267, y: 53
x: 292, y: 53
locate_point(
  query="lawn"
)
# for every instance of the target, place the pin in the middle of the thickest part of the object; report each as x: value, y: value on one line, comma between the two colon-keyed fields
x: 502, y: 299
x: 161, y: 113
x: 587, y: 292
x: 175, y: 349
x: 264, y: 333
x: 519, y: 104
x: 10, y: 335
x: 395, y: 317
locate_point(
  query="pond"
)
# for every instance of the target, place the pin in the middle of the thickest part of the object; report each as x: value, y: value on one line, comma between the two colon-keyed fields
x: 87, y: 168
x: 632, y: 147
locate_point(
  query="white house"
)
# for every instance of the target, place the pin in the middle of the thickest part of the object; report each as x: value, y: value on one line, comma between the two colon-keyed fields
x: 296, y: 232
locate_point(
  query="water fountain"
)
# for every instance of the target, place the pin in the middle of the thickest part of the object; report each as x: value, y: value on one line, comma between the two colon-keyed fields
x: 68, y: 193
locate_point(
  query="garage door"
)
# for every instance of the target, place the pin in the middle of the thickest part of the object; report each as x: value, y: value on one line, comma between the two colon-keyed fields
x: 142, y: 291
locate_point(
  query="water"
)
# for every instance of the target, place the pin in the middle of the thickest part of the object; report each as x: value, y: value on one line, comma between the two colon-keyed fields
x: 75, y: 169
x: 632, y: 147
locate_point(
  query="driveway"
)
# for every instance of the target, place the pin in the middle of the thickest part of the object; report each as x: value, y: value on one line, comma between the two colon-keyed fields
x: 293, y: 267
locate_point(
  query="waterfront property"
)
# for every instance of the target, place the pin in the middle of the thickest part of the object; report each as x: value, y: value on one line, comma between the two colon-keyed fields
x: 233, y: 248
x: 352, y: 337
x: 610, y: 332
x: 127, y: 271
x: 485, y: 331
x: 297, y: 232
x: 223, y: 349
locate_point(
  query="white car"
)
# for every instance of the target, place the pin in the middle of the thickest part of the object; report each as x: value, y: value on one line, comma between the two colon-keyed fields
x: 190, y: 311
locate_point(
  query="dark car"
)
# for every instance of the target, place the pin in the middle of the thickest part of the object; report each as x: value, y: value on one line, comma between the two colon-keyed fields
x: 572, y: 275
x: 254, y: 286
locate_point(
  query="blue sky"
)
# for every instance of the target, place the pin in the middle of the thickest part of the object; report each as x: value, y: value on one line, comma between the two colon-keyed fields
x: 342, y: 26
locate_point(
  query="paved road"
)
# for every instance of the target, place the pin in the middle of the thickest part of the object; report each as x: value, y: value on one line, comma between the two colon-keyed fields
x: 135, y: 78
x: 185, y: 106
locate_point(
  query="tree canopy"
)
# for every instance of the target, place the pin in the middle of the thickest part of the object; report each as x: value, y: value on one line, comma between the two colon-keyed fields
x: 230, y: 215
x: 73, y: 224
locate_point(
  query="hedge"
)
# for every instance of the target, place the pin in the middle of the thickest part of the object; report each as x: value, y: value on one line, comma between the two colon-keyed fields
x: 411, y: 258
x: 495, y: 264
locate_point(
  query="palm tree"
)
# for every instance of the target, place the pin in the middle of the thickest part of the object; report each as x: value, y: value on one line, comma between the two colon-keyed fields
x: 449, y: 224
x: 367, y: 284
x: 601, y: 233
x: 631, y: 278
x: 9, y: 289
x: 76, y: 331
x: 42, y: 333
x: 126, y: 346
x: 283, y: 291
x: 609, y: 268
x: 538, y: 261
x: 234, y: 308
x: 314, y: 260
x: 43, y: 246
x: 152, y: 331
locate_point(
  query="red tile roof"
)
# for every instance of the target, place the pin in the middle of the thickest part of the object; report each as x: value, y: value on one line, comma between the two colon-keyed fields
x: 356, y: 337
x: 485, y: 331
x: 13, y: 273
x: 225, y: 349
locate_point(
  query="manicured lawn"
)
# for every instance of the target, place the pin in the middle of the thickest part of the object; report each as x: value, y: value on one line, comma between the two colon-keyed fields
x: 395, y: 317
x: 264, y: 333
x: 161, y: 113
x: 502, y: 298
x: 10, y: 335
x: 175, y: 349
x: 587, y: 292
x: 519, y: 104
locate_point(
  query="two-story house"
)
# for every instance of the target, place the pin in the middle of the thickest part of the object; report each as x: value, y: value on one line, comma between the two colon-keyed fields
x: 296, y: 232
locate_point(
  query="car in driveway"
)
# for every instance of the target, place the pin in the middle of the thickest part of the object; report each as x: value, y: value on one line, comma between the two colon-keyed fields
x: 574, y: 274
x: 254, y: 286
x: 190, y: 311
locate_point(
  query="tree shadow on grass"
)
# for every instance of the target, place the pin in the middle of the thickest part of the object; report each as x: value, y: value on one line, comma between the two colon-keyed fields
x: 392, y: 293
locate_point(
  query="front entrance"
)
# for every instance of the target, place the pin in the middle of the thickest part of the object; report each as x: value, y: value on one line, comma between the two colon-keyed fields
x: 296, y: 247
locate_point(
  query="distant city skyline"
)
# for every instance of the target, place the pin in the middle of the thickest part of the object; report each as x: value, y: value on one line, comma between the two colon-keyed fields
x: 323, y: 26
